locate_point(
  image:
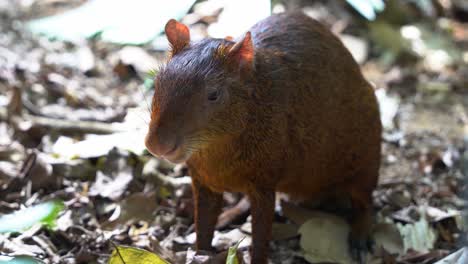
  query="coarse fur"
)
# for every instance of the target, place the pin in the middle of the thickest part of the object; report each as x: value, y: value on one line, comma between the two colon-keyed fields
x: 296, y: 117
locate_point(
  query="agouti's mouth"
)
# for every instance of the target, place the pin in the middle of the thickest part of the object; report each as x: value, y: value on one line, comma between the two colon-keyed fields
x: 177, y: 154
x: 172, y: 151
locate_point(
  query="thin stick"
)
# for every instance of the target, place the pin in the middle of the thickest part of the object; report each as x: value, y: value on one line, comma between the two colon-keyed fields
x: 118, y: 251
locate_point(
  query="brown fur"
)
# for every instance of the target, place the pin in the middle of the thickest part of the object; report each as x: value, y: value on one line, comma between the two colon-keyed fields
x: 304, y: 121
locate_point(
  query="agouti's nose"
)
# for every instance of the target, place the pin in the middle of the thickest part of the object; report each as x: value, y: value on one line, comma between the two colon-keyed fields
x: 159, y: 146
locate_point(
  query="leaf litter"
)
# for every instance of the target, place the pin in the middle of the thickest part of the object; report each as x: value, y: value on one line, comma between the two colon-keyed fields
x: 73, y: 117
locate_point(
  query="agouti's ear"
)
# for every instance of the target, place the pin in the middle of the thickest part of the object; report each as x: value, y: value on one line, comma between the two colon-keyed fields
x: 242, y: 53
x: 178, y: 35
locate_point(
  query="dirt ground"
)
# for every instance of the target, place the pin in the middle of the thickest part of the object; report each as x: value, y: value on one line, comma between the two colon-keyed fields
x: 55, y: 96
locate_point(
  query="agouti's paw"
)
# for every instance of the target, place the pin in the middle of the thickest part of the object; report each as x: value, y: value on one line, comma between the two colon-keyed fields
x: 359, y: 248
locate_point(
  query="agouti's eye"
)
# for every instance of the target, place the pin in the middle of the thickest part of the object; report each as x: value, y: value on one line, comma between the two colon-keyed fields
x: 214, y: 95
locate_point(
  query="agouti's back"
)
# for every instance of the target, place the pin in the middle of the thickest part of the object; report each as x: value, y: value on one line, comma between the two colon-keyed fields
x: 329, y: 110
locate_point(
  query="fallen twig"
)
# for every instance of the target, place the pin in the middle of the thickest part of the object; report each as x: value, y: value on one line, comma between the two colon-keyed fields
x: 62, y: 125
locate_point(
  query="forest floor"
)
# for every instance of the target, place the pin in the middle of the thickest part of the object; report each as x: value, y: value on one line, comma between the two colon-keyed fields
x: 73, y: 118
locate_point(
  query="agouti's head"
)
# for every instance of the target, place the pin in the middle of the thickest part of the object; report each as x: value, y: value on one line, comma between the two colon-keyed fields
x: 201, y: 94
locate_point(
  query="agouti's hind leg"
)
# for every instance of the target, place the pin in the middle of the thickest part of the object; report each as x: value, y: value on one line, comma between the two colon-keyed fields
x: 361, y: 221
x: 208, y: 205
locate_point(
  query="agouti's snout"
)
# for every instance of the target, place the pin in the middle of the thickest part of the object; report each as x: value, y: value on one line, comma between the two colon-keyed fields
x: 161, y: 144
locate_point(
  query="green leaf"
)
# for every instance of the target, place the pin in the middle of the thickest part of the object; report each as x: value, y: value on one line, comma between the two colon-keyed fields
x: 232, y: 254
x: 419, y: 236
x: 148, y: 83
x: 86, y: 20
x: 152, y: 73
x: 44, y: 214
x: 367, y: 8
x: 127, y: 255
x: 149, y: 80
x: 19, y: 260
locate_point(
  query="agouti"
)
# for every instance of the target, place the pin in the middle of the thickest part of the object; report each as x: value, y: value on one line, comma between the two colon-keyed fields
x: 285, y: 108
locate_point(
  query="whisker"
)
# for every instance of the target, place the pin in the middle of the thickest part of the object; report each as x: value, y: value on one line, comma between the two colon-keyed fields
x: 143, y: 119
x: 144, y: 98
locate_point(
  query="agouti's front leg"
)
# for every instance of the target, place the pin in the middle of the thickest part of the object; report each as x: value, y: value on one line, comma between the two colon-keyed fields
x: 208, y: 205
x: 262, y: 209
